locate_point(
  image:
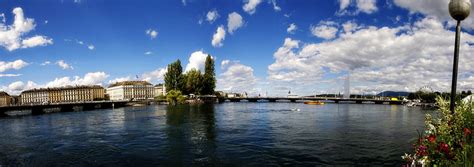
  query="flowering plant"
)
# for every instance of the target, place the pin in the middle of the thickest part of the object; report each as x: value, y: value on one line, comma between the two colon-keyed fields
x: 447, y: 139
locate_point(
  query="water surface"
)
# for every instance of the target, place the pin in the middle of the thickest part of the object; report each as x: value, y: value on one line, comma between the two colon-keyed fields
x: 229, y: 134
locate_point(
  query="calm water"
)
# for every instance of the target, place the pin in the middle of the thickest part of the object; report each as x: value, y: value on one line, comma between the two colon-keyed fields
x: 229, y: 134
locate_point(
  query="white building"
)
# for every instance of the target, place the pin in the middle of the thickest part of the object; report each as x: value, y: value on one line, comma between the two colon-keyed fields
x: 131, y: 90
x: 160, y: 90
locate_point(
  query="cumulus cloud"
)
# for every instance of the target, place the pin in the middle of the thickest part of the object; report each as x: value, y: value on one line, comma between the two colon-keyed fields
x: 94, y: 78
x: 155, y: 76
x: 127, y: 78
x: 251, y: 6
x: 11, y: 36
x: 365, y: 6
x: 196, y: 61
x: 291, y: 28
x: 234, y: 22
x: 218, y: 37
x: 390, y: 58
x: 325, y: 30
x: 15, y: 88
x: 212, y: 16
x: 152, y: 33
x: 236, y: 77
x: 436, y: 9
x: 16, y: 65
x: 64, y: 65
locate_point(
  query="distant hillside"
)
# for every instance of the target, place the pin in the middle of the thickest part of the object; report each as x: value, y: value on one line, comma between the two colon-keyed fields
x: 393, y: 93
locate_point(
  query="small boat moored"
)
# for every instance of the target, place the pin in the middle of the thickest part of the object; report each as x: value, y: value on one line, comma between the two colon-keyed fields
x: 314, y: 102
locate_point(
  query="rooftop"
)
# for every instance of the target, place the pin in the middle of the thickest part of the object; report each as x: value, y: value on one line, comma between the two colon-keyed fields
x: 64, y: 88
x: 129, y: 83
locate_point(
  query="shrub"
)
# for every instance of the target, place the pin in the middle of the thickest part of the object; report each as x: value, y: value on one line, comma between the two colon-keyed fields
x: 447, y: 139
x: 175, y: 97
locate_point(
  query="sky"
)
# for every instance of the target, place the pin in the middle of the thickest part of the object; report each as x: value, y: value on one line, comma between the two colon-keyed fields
x: 266, y: 47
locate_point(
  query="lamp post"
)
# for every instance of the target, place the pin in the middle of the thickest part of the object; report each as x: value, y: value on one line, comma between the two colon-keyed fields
x: 459, y: 10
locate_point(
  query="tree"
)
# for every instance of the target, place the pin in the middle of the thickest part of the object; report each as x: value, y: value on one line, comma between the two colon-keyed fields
x: 209, y: 78
x: 194, y: 81
x: 174, y: 79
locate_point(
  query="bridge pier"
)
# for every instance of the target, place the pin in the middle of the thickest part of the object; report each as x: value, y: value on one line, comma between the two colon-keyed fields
x: 252, y: 100
x: 3, y: 114
x: 293, y: 100
x: 272, y: 100
x: 87, y: 107
x: 234, y: 100
x: 37, y: 110
x: 378, y: 102
x: 67, y: 108
x: 359, y: 101
x: 336, y: 101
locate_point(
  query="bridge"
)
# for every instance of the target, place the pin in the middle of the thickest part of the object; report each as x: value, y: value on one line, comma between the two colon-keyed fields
x: 63, y: 107
x: 330, y: 99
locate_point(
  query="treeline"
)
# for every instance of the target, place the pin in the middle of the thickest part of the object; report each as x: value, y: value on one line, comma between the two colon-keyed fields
x: 430, y: 97
x: 192, y: 82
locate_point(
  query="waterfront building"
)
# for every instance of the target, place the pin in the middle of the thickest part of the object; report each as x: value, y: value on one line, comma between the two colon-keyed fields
x: 62, y: 94
x: 131, y: 90
x: 160, y: 90
x: 5, y: 99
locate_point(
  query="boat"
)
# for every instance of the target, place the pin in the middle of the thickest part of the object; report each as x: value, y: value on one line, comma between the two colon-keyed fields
x: 314, y: 102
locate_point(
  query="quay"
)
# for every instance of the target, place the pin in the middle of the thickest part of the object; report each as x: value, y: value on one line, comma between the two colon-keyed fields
x: 64, y: 107
x: 327, y: 99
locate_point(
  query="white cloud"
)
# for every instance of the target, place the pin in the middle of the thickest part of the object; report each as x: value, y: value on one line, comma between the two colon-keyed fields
x: 11, y: 36
x: 94, y: 78
x: 155, y: 76
x: 148, y: 53
x: 218, y: 37
x: 350, y: 26
x: 17, y: 64
x: 387, y: 58
x: 212, y: 16
x: 152, y: 33
x: 365, y: 6
x: 10, y: 75
x: 90, y: 47
x: 45, y: 63
x: 275, y: 6
x: 325, y: 30
x: 251, y: 6
x: 64, y: 65
x: 36, y: 41
x: 434, y: 8
x: 224, y: 63
x: 15, y: 88
x: 196, y: 61
x: 236, y: 77
x: 234, y: 22
x: 127, y: 78
x: 343, y: 4
x: 291, y: 28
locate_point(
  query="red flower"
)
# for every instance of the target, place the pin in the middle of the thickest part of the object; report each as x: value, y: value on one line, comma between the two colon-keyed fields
x: 467, y: 132
x: 422, y: 150
x: 443, y: 147
x: 431, y: 138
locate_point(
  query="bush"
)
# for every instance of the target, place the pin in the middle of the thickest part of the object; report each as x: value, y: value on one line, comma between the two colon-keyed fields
x: 447, y: 139
x: 175, y: 97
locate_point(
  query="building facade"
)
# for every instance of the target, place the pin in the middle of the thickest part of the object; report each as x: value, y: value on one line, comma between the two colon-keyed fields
x: 131, y: 90
x: 160, y: 90
x: 5, y: 99
x: 62, y: 94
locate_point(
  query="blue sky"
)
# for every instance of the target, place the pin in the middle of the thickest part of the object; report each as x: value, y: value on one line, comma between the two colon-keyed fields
x: 75, y: 42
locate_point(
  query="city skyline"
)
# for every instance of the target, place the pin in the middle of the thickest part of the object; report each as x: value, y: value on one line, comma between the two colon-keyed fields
x: 259, y: 46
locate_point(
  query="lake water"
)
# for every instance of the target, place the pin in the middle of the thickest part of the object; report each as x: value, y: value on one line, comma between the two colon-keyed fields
x: 228, y: 134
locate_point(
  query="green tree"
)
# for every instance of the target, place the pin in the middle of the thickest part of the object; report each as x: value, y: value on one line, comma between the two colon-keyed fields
x: 174, y: 79
x: 194, y: 81
x: 209, y: 78
x: 175, y: 97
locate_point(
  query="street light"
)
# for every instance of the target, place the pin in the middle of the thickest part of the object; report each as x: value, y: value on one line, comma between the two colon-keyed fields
x: 459, y: 10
